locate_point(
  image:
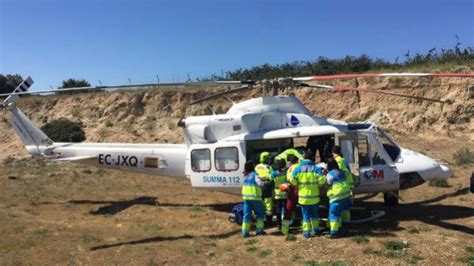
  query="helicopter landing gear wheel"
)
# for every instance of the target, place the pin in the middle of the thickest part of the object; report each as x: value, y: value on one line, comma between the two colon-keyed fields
x: 390, y: 198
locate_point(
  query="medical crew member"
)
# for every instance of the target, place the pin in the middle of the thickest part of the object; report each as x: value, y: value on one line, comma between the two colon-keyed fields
x: 280, y: 194
x: 290, y: 151
x: 252, y: 197
x: 344, y: 167
x: 339, y: 194
x: 265, y: 173
x: 292, y: 196
x: 308, y: 177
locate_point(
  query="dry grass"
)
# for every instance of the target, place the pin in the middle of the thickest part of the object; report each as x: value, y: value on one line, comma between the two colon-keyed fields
x: 106, y: 217
x: 68, y: 214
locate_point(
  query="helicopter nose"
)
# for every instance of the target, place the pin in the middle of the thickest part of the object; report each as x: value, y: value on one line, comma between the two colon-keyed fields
x: 445, y: 172
x: 425, y: 166
x: 438, y: 172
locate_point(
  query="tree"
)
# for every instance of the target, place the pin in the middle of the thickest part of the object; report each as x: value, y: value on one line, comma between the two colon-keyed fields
x: 74, y: 83
x: 64, y: 130
x: 8, y: 83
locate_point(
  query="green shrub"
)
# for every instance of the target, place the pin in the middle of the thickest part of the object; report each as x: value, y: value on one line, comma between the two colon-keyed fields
x: 372, y: 251
x: 463, y: 156
x: 360, y: 239
x: 266, y: 253
x: 64, y: 130
x: 415, y: 259
x: 251, y: 242
x: 74, y: 83
x: 438, y: 183
x: 395, y: 245
x: 196, y: 208
x: 251, y: 249
x: 87, y: 171
x: 90, y: 238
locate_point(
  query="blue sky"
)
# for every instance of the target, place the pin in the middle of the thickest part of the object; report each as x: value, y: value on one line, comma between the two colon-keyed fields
x: 112, y: 41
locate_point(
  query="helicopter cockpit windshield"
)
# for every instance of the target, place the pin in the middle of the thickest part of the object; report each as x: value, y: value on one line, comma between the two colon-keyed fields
x: 388, y: 144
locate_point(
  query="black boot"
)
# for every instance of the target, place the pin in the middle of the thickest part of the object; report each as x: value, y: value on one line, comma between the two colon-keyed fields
x: 268, y: 220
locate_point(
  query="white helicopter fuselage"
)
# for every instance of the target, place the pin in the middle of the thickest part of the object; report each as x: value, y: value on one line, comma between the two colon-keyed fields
x: 217, y: 146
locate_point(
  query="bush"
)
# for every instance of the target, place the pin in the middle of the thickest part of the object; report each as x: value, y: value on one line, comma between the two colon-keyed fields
x: 438, y: 183
x: 74, y: 83
x: 395, y: 245
x: 360, y: 239
x: 64, y: 130
x: 352, y: 64
x: 463, y: 156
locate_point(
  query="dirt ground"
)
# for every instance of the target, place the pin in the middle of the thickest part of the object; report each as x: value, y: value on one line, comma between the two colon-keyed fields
x: 71, y: 214
x: 54, y: 214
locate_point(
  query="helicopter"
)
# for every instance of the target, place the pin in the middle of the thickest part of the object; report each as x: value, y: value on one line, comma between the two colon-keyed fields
x: 217, y: 146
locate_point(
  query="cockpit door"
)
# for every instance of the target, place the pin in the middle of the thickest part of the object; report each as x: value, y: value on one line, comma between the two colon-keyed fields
x: 377, y: 172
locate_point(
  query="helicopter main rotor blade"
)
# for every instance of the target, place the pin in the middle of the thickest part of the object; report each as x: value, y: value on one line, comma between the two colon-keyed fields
x: 141, y: 85
x: 371, y: 75
x: 334, y: 89
x: 392, y: 94
x: 221, y: 94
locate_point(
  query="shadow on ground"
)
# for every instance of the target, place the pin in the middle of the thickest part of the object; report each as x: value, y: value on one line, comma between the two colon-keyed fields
x: 168, y: 238
x: 424, y: 211
x: 114, y: 207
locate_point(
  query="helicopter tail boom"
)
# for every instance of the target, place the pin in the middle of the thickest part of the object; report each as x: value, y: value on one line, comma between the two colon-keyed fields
x: 34, y: 139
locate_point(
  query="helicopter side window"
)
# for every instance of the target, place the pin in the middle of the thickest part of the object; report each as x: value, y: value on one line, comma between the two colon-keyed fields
x: 364, y: 157
x: 227, y: 159
x: 201, y: 160
x: 376, y: 158
x: 392, y: 149
x: 347, y: 148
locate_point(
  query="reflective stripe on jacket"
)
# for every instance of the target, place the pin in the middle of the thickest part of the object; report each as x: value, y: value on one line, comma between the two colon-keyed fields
x: 280, y: 178
x: 338, y: 187
x: 289, y: 172
x: 264, y: 171
x: 308, y: 177
x: 251, y: 189
x: 343, y: 166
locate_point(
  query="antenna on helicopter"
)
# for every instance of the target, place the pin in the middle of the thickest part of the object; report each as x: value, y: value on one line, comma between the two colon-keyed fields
x: 210, y: 109
x: 228, y: 98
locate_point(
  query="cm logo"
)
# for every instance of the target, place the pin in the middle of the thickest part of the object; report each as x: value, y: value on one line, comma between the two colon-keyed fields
x: 374, y: 174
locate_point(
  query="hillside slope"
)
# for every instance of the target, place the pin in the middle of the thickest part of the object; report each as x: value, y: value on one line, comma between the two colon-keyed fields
x: 151, y: 116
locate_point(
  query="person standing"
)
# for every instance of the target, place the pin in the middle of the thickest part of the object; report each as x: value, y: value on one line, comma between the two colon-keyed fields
x: 280, y: 195
x: 252, y: 197
x: 292, y: 196
x: 344, y: 167
x: 308, y: 177
x: 339, y: 194
x: 265, y: 172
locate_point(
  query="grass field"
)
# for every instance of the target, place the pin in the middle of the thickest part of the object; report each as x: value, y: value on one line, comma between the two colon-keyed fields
x: 70, y: 214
